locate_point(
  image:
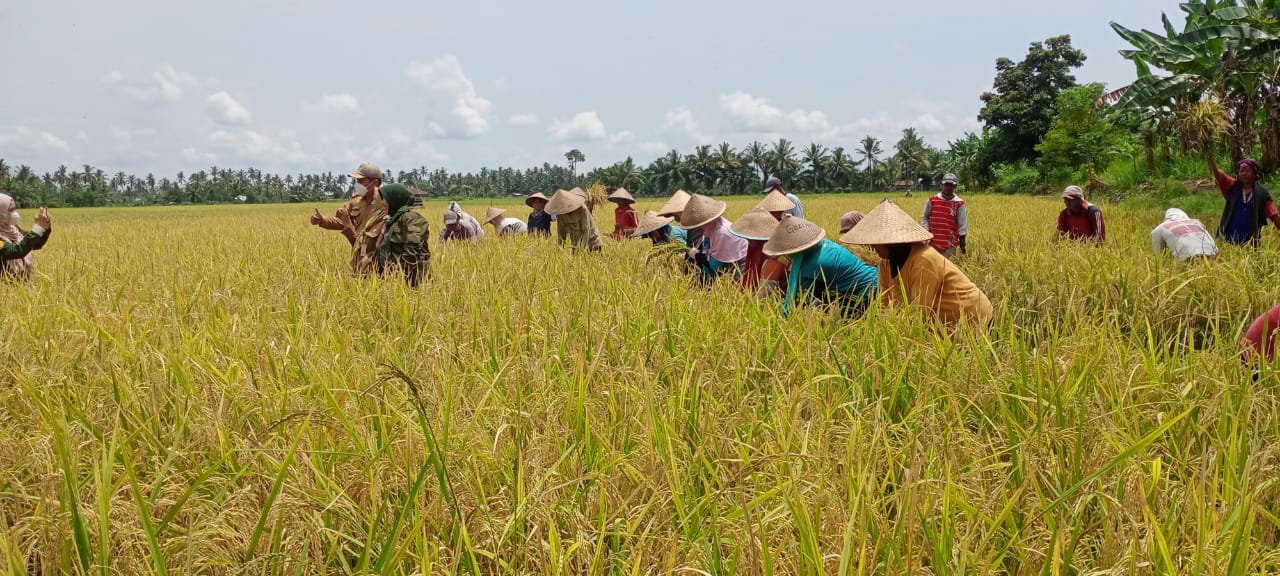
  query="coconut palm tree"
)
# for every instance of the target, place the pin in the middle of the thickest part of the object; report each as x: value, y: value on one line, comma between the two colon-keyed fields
x: 869, y: 149
x: 757, y: 156
x: 783, y: 158
x: 703, y: 164
x: 574, y: 157
x: 842, y: 168
x: 816, y: 159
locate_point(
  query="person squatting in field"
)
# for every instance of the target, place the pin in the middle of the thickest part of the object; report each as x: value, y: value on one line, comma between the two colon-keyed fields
x: 458, y: 225
x: 912, y: 273
x: 658, y: 230
x: 756, y: 226
x: 821, y: 268
x: 1080, y: 220
x: 721, y: 252
x: 1186, y: 238
x: 1248, y: 205
x: 946, y: 217
x: 573, y: 220
x: 406, y: 237
x: 16, y: 260
x: 360, y: 219
x: 625, y: 220
x: 693, y: 238
x: 504, y: 226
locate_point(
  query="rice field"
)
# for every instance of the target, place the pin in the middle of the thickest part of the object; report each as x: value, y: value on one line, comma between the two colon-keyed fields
x: 206, y: 390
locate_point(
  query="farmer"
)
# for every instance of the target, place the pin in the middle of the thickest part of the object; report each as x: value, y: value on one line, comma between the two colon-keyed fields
x: 773, y: 183
x: 675, y: 208
x: 1186, y: 238
x: 1248, y: 205
x: 821, y: 267
x: 721, y: 251
x: 539, y: 220
x: 1259, y: 342
x: 911, y: 273
x: 504, y: 226
x: 945, y: 216
x: 1080, y: 220
x: 777, y: 204
x: 458, y: 225
x: 756, y: 227
x: 360, y: 219
x: 658, y: 229
x: 16, y: 261
x: 573, y: 219
x: 406, y: 239
x: 624, y: 216
x: 849, y: 220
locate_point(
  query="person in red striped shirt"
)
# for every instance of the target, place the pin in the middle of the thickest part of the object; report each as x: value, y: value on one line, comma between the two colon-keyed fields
x: 1080, y: 220
x: 945, y: 216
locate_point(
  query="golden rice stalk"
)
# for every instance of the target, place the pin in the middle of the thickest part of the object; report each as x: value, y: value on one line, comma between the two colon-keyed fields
x: 1202, y: 122
x: 597, y: 195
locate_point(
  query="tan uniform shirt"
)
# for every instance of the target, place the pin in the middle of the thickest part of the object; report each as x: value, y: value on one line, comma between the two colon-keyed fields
x: 579, y: 228
x: 360, y: 221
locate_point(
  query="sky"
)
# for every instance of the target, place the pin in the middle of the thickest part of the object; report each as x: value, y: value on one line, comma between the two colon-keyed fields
x: 296, y: 86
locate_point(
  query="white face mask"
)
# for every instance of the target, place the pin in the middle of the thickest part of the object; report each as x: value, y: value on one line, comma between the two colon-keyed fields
x: 14, y: 218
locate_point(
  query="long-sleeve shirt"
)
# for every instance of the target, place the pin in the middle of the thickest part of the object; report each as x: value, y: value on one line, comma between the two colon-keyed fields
x: 579, y: 229
x: 361, y: 222
x: 33, y: 239
x: 624, y: 222
x: 1185, y: 238
x: 1087, y: 225
x: 511, y: 227
x: 540, y: 222
x: 929, y: 280
x: 798, y: 211
x: 467, y: 228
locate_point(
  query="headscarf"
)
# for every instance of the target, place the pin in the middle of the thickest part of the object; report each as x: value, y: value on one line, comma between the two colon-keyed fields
x: 1251, y: 163
x: 725, y: 246
x: 1174, y: 214
x: 24, y: 266
x: 849, y: 220
x: 398, y: 198
x: 453, y: 213
x: 771, y: 183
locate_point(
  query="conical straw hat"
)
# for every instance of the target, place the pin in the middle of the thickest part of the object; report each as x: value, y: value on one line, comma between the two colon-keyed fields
x: 621, y: 195
x: 757, y: 224
x: 493, y: 214
x: 676, y: 204
x: 793, y: 235
x: 651, y: 221
x: 776, y: 202
x: 566, y: 201
x: 886, y: 224
x: 528, y: 201
x: 701, y: 210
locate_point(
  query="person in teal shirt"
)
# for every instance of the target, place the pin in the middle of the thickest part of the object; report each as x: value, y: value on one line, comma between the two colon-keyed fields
x: 822, y: 268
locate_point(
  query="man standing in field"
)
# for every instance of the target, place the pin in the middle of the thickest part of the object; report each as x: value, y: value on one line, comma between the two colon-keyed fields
x: 945, y: 216
x: 1080, y: 220
x: 361, y: 219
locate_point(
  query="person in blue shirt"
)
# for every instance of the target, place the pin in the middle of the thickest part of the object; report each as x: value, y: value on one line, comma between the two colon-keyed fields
x: 659, y: 230
x: 822, y: 268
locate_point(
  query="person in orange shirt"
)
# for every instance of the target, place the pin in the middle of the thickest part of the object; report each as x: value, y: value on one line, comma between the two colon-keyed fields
x: 361, y: 219
x: 625, y: 220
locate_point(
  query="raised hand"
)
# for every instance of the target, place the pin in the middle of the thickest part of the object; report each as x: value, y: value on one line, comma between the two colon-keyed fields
x: 42, y: 218
x: 316, y: 218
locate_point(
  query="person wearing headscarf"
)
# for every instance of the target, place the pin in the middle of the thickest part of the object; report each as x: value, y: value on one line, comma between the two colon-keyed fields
x: 360, y: 219
x: 821, y: 268
x: 1185, y: 237
x: 624, y: 216
x: 756, y: 226
x: 659, y: 230
x: 774, y: 183
x: 16, y: 261
x: 458, y: 225
x: 721, y: 252
x: 406, y: 237
x: 504, y: 226
x: 573, y: 220
x: 912, y: 273
x: 1080, y: 220
x: 1248, y: 205
x: 947, y: 218
x: 849, y: 220
x: 539, y: 220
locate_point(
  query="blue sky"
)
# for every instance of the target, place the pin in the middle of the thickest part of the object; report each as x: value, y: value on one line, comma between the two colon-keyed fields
x: 319, y: 85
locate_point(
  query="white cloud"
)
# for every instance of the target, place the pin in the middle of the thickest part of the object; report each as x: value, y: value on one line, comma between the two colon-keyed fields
x: 681, y: 121
x: 584, y: 126
x: 653, y: 147
x: 191, y: 153
x: 621, y: 137
x: 166, y: 84
x: 227, y: 109
x: 262, y: 146
x: 756, y: 114
x: 31, y: 139
x: 444, y: 76
x: 523, y: 120
x: 342, y: 102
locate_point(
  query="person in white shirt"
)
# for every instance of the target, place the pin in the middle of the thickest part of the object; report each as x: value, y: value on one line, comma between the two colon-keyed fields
x: 503, y: 225
x: 1185, y: 237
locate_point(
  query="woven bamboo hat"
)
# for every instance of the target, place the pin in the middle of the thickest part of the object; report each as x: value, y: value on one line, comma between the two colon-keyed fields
x: 776, y: 202
x: 793, y: 235
x: 566, y: 201
x: 650, y: 223
x: 886, y: 224
x: 700, y: 211
x: 493, y: 214
x: 621, y: 195
x: 676, y: 204
x: 528, y: 200
x: 757, y: 224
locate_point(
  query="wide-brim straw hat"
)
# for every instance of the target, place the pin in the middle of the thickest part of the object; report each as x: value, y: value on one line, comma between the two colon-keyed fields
x: 793, y: 235
x: 566, y: 201
x: 700, y: 211
x: 776, y: 202
x: 676, y: 204
x: 528, y: 200
x: 493, y: 214
x: 650, y: 223
x: 886, y: 224
x: 621, y: 195
x: 757, y: 224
